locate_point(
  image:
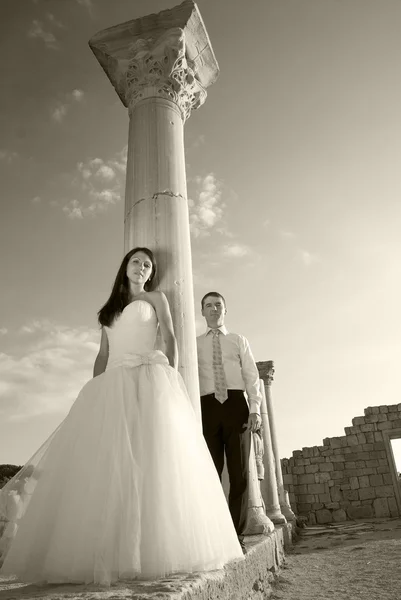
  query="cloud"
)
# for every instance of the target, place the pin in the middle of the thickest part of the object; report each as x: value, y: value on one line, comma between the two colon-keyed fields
x: 199, y: 141
x: 308, y: 258
x: 47, y: 375
x: 60, y: 111
x: 106, y: 172
x: 50, y: 17
x: 37, y: 31
x: 106, y: 196
x: 8, y: 156
x: 286, y: 234
x: 31, y: 328
x: 3, y: 330
x: 207, y: 210
x: 266, y: 223
x: 88, y: 4
x: 84, y: 170
x: 36, y: 200
x: 100, y: 185
x: 196, y: 143
x: 119, y: 162
x: 77, y: 95
x: 73, y: 210
x: 236, y: 250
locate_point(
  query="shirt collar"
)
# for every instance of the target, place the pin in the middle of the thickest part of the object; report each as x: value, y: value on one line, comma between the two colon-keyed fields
x: 223, y: 330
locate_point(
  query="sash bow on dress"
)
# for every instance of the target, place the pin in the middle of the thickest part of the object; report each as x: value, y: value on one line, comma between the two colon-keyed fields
x: 136, y: 360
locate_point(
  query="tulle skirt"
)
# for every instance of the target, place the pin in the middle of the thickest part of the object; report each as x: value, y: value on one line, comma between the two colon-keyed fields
x: 124, y: 488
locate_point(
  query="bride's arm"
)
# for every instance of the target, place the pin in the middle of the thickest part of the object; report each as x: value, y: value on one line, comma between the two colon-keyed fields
x: 103, y: 355
x: 166, y: 326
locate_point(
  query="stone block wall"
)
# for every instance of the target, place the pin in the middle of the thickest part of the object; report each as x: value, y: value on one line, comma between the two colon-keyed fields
x: 348, y: 477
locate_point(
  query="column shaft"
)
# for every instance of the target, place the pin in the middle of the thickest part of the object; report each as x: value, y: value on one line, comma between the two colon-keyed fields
x: 285, y: 508
x: 156, y: 215
x: 269, y: 483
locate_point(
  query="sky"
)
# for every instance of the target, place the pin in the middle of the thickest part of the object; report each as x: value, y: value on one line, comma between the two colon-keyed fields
x: 293, y: 170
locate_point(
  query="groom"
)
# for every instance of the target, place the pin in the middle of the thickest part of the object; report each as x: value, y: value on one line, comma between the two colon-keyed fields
x: 227, y: 369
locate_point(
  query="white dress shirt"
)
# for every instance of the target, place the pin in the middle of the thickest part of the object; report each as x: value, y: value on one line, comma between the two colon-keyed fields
x: 239, y: 366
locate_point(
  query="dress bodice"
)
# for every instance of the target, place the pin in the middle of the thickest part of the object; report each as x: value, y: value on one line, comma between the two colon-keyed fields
x: 133, y: 332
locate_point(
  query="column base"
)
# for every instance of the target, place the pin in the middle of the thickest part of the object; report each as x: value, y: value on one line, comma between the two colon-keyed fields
x: 287, y: 512
x: 257, y: 522
x: 276, y: 515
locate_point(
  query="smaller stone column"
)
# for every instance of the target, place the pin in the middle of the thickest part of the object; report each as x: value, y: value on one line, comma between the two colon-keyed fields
x: 257, y: 521
x: 266, y: 372
x: 268, y: 484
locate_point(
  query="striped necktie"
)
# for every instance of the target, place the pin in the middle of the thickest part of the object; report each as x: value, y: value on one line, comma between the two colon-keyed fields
x: 220, y: 383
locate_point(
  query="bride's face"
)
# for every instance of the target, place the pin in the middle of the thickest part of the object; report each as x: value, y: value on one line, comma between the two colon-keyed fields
x: 139, y: 268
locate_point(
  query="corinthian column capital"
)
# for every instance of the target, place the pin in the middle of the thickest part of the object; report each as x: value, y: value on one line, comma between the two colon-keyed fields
x: 266, y: 371
x: 160, y: 68
x: 165, y: 55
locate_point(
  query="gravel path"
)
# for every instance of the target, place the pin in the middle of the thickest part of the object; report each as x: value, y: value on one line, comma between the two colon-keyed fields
x: 344, y: 566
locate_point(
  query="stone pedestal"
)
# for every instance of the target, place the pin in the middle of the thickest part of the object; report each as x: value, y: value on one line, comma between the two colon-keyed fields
x: 266, y: 372
x: 160, y: 66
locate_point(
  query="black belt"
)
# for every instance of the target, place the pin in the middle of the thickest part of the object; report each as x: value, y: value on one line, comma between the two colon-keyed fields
x: 228, y: 390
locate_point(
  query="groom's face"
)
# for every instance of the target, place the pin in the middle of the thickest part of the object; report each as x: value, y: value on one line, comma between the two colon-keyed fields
x: 214, y: 311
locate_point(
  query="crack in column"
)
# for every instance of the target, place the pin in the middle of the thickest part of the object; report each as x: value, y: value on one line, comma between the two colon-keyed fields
x: 167, y: 193
x: 154, y: 197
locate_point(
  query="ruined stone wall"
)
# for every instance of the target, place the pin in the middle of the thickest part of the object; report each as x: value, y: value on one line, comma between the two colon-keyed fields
x: 349, y: 477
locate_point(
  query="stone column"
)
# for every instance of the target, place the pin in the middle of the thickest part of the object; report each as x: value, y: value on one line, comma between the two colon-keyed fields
x: 257, y: 521
x: 160, y: 66
x: 266, y: 372
x: 268, y: 484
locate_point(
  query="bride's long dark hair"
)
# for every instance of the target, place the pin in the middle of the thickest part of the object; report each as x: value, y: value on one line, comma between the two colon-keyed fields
x: 119, y: 297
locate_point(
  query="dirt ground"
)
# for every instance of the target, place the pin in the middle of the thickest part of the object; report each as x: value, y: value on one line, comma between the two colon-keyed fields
x: 344, y: 561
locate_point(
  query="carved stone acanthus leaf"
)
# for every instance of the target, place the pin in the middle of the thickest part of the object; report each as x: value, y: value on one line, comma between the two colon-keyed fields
x: 160, y: 68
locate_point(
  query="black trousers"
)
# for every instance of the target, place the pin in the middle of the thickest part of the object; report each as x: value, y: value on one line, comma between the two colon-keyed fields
x: 224, y: 429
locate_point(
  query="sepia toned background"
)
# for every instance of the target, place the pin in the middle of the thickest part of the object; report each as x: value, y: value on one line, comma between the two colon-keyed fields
x: 293, y: 184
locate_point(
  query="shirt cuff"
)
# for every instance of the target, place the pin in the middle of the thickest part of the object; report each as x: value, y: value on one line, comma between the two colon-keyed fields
x: 254, y: 407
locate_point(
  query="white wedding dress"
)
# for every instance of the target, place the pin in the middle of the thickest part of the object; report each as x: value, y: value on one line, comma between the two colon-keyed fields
x: 125, y: 487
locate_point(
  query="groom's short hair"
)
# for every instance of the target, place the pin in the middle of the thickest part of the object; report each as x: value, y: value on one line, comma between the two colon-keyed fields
x: 215, y: 295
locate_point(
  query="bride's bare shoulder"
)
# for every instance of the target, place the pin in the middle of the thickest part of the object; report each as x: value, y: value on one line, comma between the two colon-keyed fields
x: 157, y: 296
x: 158, y: 300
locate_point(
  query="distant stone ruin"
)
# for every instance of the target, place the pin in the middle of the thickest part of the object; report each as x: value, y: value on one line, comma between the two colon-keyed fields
x: 353, y: 476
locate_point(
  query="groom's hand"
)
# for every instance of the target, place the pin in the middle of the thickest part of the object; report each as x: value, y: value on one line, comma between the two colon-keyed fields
x: 254, y: 422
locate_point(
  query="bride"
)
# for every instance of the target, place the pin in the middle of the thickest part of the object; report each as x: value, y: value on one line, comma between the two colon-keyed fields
x: 125, y: 487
